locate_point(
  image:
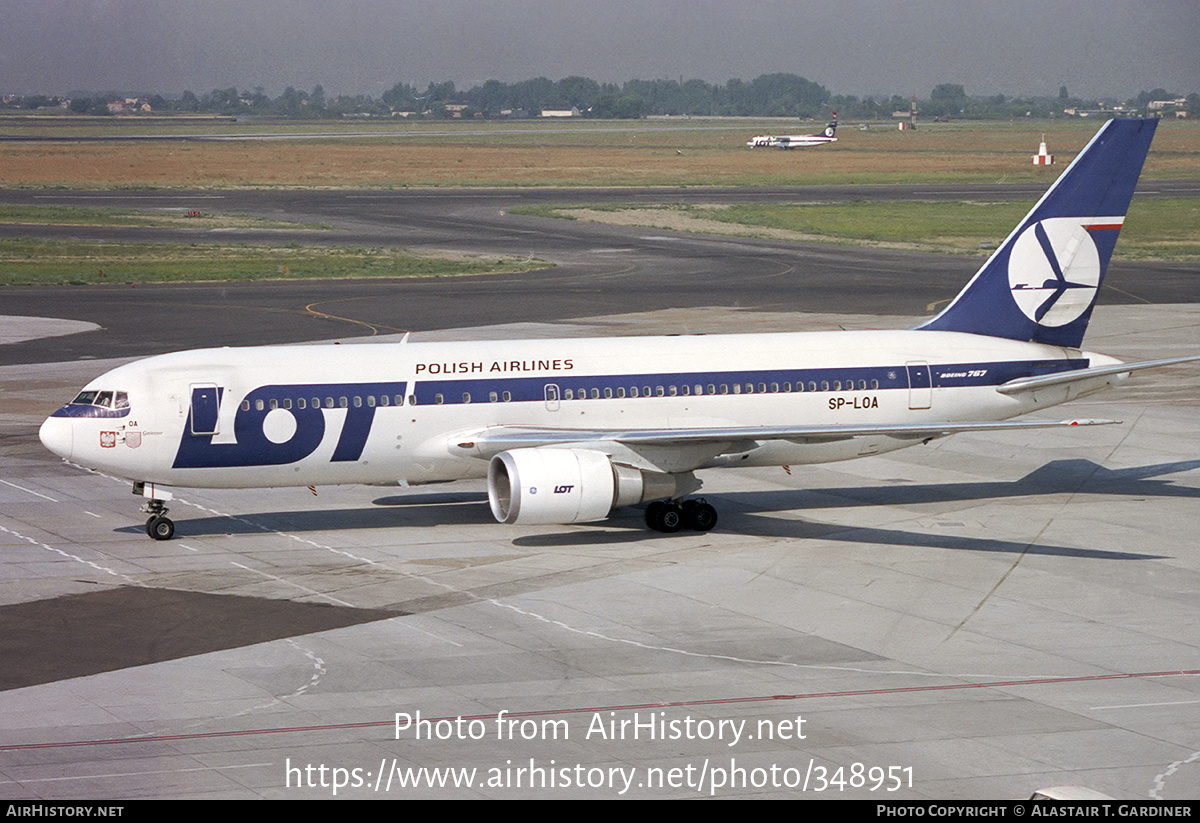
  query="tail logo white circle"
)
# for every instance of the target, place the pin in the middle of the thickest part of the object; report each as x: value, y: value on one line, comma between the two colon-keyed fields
x: 1054, y: 271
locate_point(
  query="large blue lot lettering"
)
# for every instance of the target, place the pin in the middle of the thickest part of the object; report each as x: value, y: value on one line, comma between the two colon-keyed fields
x: 309, y: 405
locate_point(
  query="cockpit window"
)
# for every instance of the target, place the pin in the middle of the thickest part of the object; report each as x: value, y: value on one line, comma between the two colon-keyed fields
x: 104, y: 399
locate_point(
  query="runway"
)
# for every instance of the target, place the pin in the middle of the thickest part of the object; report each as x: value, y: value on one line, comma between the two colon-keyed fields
x: 976, y: 618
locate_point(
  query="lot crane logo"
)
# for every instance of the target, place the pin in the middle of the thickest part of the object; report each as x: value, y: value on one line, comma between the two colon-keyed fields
x: 1054, y: 270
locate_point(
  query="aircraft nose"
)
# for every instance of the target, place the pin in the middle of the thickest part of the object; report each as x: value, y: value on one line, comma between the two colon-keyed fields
x: 58, y: 435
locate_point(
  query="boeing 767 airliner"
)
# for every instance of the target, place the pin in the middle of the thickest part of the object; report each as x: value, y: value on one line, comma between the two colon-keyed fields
x: 567, y: 430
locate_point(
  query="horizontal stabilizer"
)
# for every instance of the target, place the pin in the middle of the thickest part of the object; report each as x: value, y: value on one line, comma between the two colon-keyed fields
x: 1024, y: 384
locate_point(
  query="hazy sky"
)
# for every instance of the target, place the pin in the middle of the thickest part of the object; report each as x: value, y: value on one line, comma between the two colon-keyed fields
x: 1094, y: 47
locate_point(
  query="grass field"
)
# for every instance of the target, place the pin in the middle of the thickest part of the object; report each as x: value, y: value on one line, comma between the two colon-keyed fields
x: 103, y: 153
x: 44, y: 262
x: 670, y: 152
x: 156, y: 218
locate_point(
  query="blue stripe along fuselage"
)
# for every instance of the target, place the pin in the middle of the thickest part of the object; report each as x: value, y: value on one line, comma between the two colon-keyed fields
x: 953, y: 375
x: 84, y: 410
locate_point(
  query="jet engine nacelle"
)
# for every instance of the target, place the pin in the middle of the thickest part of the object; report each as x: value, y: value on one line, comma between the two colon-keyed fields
x: 541, y: 486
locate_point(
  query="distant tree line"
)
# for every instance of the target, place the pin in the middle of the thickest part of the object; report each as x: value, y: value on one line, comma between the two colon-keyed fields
x: 770, y: 95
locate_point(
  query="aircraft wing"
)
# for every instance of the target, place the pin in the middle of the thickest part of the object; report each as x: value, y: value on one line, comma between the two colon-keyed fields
x: 731, y: 439
x: 1024, y: 384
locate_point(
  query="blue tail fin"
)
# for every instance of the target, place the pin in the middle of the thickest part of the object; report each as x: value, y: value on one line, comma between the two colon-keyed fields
x: 831, y: 129
x: 1041, y: 284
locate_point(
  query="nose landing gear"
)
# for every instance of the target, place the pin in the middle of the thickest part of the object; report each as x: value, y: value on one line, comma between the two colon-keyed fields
x: 159, y: 526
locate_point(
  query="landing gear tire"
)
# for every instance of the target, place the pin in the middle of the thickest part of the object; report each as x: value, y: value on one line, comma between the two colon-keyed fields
x: 700, y: 515
x: 669, y: 517
x: 664, y: 516
x: 160, y: 528
x: 652, y: 514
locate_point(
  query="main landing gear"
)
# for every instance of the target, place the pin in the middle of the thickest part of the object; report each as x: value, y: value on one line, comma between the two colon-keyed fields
x: 668, y: 516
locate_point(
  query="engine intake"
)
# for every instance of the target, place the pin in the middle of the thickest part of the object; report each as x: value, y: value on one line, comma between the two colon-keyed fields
x: 543, y: 486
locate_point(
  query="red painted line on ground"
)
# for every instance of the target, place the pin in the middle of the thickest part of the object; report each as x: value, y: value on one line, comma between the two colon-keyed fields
x: 992, y: 684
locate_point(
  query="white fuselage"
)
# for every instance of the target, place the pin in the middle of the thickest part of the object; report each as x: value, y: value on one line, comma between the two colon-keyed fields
x: 408, y: 412
x: 791, y: 141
